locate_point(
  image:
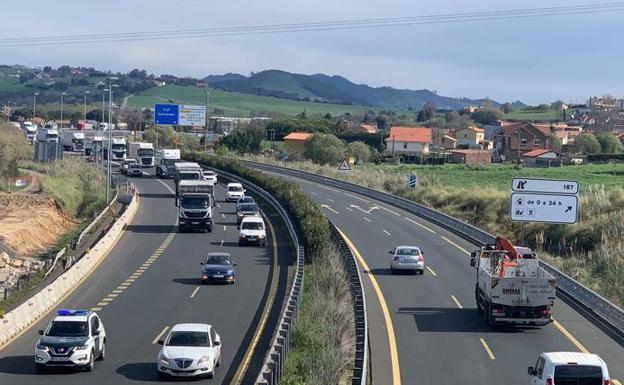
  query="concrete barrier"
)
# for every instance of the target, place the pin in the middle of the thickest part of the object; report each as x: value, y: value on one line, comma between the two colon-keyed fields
x: 17, y: 321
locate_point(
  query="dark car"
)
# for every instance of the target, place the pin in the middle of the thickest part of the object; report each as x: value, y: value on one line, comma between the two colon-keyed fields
x: 218, y: 267
x: 245, y: 210
x: 244, y: 199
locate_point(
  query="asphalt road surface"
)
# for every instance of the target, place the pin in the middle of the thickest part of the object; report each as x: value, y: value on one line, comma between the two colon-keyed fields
x: 148, y: 283
x: 426, y: 329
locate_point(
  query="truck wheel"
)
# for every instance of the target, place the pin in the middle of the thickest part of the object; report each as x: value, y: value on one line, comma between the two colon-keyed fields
x: 209, y: 229
x: 479, y: 308
x: 181, y: 229
x: 486, y: 315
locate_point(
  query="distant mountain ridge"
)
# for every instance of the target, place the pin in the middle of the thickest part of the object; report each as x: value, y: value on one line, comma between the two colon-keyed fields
x: 335, y: 89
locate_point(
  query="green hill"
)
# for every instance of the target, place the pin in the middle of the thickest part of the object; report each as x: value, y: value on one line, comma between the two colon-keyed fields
x: 237, y: 104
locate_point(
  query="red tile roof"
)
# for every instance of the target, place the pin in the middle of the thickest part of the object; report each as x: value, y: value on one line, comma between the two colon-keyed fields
x: 410, y: 134
x: 298, y: 136
x: 537, y: 152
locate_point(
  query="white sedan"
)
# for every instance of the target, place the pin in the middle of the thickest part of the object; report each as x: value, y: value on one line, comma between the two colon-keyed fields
x: 190, y: 350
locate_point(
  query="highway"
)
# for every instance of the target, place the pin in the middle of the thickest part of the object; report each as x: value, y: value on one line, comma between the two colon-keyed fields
x: 426, y: 329
x: 150, y: 281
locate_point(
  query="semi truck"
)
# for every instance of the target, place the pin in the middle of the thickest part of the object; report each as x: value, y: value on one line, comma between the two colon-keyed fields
x: 73, y: 141
x: 118, y: 148
x: 142, y: 152
x: 511, y: 287
x: 186, y: 171
x: 194, y: 199
x: 30, y: 130
x: 47, y: 134
x: 93, y: 146
x: 167, y: 159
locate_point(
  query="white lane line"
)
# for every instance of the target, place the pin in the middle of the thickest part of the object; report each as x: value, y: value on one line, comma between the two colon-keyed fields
x: 356, y: 197
x: 313, y: 193
x: 224, y: 228
x: 456, y: 245
x: 221, y: 242
x: 330, y: 189
x: 166, y: 186
x: 487, y: 349
x: 194, y: 292
x: 390, y: 211
x: 329, y: 208
x: 160, y: 335
x: 367, y: 220
x: 331, y: 200
x: 386, y: 231
x: 431, y: 271
x: 223, y: 215
x: 459, y: 305
x: 419, y: 224
x: 218, y: 205
x: 349, y: 208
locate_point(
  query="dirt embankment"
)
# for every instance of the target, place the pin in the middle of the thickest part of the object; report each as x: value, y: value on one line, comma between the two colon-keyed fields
x: 31, y: 223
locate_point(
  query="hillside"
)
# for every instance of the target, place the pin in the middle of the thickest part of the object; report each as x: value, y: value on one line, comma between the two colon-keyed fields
x: 335, y: 89
x: 237, y: 104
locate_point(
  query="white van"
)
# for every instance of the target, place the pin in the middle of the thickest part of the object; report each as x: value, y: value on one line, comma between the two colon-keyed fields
x: 563, y: 368
x: 252, y: 231
x: 233, y: 191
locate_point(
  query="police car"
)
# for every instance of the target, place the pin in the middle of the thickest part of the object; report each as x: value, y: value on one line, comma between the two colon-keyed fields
x: 74, y: 338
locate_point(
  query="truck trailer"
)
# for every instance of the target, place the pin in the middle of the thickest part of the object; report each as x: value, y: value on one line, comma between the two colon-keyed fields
x: 73, y: 141
x: 194, y: 199
x: 186, y: 171
x: 143, y: 153
x: 511, y: 287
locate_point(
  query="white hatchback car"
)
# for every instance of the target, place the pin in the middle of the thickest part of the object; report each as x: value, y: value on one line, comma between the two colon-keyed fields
x: 233, y: 192
x: 407, y: 258
x: 210, y: 176
x: 252, y: 230
x: 190, y: 350
x: 568, y: 368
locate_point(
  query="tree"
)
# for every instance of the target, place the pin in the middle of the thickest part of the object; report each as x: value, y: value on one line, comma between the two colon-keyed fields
x: 429, y: 110
x: 421, y: 116
x: 328, y: 116
x: 21, y: 113
x: 507, y: 108
x: 164, y: 137
x: 324, y: 149
x: 13, y: 148
x: 555, y: 142
x: 609, y: 144
x: 382, y: 122
x: 244, y: 140
x: 360, y: 151
x: 94, y: 115
x: 586, y: 144
x: 486, y: 116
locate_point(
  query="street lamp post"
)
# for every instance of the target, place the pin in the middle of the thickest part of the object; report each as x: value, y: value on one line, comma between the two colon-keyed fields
x: 35, y: 104
x: 62, y: 94
x: 85, y: 106
x: 103, y: 104
x: 110, y: 138
x: 207, y: 89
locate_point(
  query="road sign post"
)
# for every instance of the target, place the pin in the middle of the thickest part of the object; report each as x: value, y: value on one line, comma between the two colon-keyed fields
x: 166, y: 114
x: 344, y: 166
x: 544, y: 200
x: 412, y: 181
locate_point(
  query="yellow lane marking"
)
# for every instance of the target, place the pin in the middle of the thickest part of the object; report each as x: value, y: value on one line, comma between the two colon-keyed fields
x: 107, y: 299
x: 142, y: 269
x: 456, y: 245
x: 367, y: 220
x: 194, y: 292
x: 124, y: 285
x: 459, y: 305
x: 390, y: 211
x: 102, y: 303
x: 487, y: 349
x: 570, y: 337
x: 386, y: 231
x: 420, y: 224
x: 112, y: 295
x: 615, y: 382
x: 96, y: 308
x: 240, y: 372
x: 431, y: 271
x: 117, y: 291
x: 131, y: 280
x: 394, y: 354
x: 160, y: 335
x: 356, y: 197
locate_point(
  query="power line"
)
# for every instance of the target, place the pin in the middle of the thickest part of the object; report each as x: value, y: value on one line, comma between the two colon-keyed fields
x: 582, y: 9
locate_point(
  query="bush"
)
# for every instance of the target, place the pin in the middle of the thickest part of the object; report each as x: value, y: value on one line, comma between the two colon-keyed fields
x: 360, y: 151
x: 324, y: 149
x: 13, y: 148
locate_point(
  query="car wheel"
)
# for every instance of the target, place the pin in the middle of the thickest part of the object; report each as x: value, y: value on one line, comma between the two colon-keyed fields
x: 162, y: 375
x: 40, y: 368
x: 392, y: 271
x: 210, y: 375
x: 102, y: 356
x: 218, y: 361
x: 89, y: 367
x: 210, y: 229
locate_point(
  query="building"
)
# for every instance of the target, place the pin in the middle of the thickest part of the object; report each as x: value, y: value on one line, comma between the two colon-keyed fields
x: 471, y: 157
x: 542, y: 158
x: 517, y: 139
x: 294, y: 143
x: 470, y: 137
x: 448, y: 142
x: 409, y: 141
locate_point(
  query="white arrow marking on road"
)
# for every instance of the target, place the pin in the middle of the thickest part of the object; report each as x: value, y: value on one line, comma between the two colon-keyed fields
x: 329, y: 208
x: 365, y: 211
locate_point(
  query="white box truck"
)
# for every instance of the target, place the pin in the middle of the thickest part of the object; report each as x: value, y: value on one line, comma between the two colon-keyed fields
x: 73, y: 141
x: 167, y: 158
x: 143, y: 153
x: 186, y: 171
x: 194, y: 199
x: 511, y: 287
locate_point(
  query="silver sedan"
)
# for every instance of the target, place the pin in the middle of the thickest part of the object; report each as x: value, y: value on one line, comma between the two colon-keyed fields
x: 407, y: 258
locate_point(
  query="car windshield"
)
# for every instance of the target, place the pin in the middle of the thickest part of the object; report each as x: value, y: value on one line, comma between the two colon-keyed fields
x: 68, y: 329
x: 209, y: 173
x: 578, y: 375
x: 188, y: 338
x: 189, y: 176
x: 252, y: 226
x: 409, y: 251
x: 195, y: 203
x: 146, y: 152
x: 248, y: 207
x: 218, y: 260
x: 235, y: 188
x: 245, y: 199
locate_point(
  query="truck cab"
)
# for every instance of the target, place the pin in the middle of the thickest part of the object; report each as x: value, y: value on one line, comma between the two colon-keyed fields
x: 117, y: 148
x: 73, y: 141
x: 167, y: 158
x: 143, y: 152
x: 194, y: 199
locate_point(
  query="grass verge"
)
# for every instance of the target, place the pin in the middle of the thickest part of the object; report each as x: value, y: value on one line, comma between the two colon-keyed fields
x: 322, y: 349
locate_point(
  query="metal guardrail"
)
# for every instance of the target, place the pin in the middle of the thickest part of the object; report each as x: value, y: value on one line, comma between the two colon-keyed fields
x: 593, y: 302
x: 360, y: 367
x: 273, y: 365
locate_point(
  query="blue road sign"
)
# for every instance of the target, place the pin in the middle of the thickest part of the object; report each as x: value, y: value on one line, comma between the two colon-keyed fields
x: 412, y: 181
x: 166, y: 114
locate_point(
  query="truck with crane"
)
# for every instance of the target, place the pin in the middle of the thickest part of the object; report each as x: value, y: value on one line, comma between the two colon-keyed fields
x: 511, y: 286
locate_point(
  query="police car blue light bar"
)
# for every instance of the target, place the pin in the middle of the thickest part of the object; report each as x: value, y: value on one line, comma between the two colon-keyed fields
x: 68, y: 312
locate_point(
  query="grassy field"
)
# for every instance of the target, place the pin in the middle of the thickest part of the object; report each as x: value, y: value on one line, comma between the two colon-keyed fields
x: 236, y: 104
x: 499, y: 176
x: 531, y: 115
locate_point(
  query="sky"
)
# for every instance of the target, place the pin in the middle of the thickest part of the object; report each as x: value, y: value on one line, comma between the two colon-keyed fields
x: 533, y: 60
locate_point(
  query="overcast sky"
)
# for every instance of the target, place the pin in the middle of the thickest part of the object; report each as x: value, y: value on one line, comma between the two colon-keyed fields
x: 533, y: 60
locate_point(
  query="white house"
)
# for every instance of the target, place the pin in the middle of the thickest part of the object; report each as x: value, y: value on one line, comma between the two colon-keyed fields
x: 409, y: 140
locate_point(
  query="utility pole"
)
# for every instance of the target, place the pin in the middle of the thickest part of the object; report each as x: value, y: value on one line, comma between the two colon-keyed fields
x: 103, y: 104
x: 35, y: 104
x: 207, y: 89
x: 110, y: 139
x: 85, y: 106
x: 62, y: 94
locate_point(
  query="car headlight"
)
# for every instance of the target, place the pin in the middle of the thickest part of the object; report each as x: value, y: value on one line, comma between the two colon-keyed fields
x: 204, y: 360
x: 164, y: 360
x: 42, y: 347
x: 230, y: 272
x: 84, y: 347
x: 262, y: 236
